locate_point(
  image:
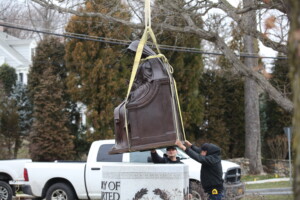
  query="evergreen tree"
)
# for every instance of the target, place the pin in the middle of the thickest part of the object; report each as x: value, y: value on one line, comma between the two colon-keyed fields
x: 51, y: 53
x: 234, y: 115
x: 50, y: 137
x: 224, y: 119
x: 188, y: 68
x: 9, y: 128
x: 214, y: 128
x: 20, y: 100
x: 233, y: 95
x: 8, y: 77
x: 56, y: 57
x: 276, y: 118
x: 24, y: 106
x: 224, y: 112
x: 98, y: 72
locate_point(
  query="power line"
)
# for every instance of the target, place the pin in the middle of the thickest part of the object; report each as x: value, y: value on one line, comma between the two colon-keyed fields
x: 126, y: 43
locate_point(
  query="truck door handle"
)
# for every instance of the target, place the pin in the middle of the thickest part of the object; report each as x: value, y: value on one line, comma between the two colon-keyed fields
x: 95, y: 168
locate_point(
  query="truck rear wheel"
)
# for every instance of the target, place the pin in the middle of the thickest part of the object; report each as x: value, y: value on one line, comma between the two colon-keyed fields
x: 6, y: 192
x: 60, y: 191
x: 197, y: 191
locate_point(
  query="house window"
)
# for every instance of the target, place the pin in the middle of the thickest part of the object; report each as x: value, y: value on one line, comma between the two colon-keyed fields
x: 21, y: 78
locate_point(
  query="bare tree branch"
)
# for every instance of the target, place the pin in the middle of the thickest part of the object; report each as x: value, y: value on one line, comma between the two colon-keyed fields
x: 211, y: 36
x: 277, y: 96
x: 272, y: 5
x: 280, y: 5
x: 252, y: 31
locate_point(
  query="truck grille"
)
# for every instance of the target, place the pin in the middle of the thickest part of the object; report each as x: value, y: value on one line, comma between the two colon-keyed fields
x: 233, y: 175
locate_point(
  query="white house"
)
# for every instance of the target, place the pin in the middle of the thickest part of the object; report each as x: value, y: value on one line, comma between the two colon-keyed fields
x: 17, y: 53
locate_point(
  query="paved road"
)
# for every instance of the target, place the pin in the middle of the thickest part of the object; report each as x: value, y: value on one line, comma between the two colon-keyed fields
x: 270, y: 191
x: 267, y: 181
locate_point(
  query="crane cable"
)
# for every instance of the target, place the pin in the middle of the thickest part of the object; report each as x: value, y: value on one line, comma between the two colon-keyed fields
x: 149, y: 32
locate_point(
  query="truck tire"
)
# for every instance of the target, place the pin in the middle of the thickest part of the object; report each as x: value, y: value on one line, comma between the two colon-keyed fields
x: 60, y: 191
x: 6, y: 191
x: 197, y: 191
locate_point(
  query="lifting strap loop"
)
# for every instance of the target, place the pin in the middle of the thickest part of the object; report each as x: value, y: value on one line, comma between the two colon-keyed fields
x: 147, y: 14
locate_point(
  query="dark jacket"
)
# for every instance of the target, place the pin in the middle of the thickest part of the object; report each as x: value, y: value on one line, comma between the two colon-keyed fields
x: 157, y: 159
x: 211, y: 170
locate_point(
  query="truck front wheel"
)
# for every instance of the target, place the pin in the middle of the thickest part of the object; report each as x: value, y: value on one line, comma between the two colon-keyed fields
x: 60, y: 191
x: 6, y: 192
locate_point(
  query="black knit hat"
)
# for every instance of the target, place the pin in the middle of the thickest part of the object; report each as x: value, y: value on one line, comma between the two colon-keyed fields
x: 171, y: 147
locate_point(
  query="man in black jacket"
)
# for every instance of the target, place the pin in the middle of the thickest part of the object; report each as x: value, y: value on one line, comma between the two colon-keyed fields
x: 211, y: 171
x: 169, y: 157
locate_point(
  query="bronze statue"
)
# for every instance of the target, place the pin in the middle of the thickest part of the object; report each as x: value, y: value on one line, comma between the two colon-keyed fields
x: 152, y: 109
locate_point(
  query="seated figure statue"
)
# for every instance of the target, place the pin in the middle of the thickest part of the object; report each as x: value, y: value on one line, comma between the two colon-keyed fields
x: 152, y: 113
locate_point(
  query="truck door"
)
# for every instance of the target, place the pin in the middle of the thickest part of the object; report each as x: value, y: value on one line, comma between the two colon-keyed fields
x: 94, y: 170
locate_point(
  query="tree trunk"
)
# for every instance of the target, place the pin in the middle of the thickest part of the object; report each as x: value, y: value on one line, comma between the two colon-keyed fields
x: 252, y: 120
x: 294, y: 61
x: 17, y: 146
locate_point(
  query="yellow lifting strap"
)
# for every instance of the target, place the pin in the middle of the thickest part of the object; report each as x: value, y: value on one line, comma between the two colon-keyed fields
x: 148, y: 32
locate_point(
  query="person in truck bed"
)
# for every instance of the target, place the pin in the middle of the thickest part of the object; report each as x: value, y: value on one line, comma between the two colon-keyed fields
x: 169, y: 157
x: 211, y: 171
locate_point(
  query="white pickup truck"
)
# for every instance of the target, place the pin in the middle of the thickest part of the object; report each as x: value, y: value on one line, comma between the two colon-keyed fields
x: 11, y: 171
x: 71, y: 180
x: 99, y: 178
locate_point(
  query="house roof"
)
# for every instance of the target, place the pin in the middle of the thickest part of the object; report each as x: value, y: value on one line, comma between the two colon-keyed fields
x: 8, y: 42
x: 5, y: 36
